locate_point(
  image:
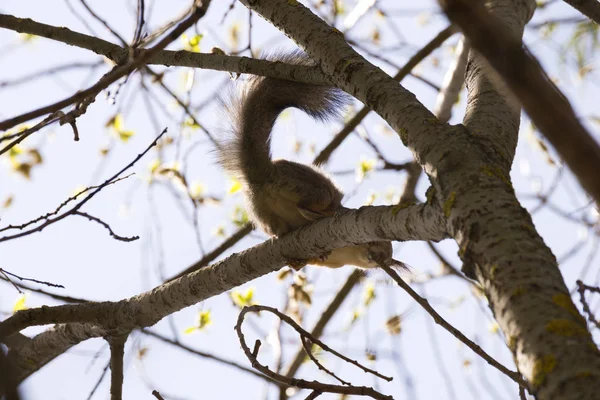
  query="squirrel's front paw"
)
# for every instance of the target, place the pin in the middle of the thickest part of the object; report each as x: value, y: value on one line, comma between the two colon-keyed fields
x: 324, y: 256
x: 296, y: 263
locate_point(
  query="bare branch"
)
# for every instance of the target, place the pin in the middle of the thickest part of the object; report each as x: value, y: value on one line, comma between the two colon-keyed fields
x: 581, y: 288
x: 306, y: 344
x: 156, y: 394
x: 49, y: 221
x: 67, y: 299
x: 301, y: 383
x: 61, y: 206
x: 201, y: 353
x: 5, y: 272
x: 453, y: 81
x: 354, y: 226
x: 139, y: 23
x: 589, y: 8
x: 515, y: 376
x: 104, y: 224
x: 325, y: 317
x: 98, y: 381
x: 179, y: 58
x: 103, y: 22
x: 20, y: 136
x: 117, y: 353
x: 111, y: 77
x: 408, y: 67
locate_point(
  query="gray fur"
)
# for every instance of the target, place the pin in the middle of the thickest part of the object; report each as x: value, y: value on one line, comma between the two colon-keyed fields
x: 284, y: 195
x: 277, y: 203
x: 253, y: 111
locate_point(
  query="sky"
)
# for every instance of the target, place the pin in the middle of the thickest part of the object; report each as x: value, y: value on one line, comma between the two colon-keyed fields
x: 424, y: 360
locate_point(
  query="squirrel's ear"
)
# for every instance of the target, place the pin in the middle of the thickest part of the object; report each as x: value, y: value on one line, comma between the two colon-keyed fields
x: 313, y: 215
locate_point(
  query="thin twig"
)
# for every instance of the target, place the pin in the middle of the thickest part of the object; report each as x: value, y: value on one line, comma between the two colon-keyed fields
x: 115, y: 74
x: 326, y: 316
x: 306, y: 334
x: 98, y: 382
x: 156, y: 394
x: 104, y: 224
x: 7, y: 278
x: 313, y: 395
x: 581, y: 288
x: 50, y: 221
x: 408, y: 67
x: 314, y: 359
x: 60, y: 206
x: 201, y: 353
x: 20, y: 136
x: 515, y: 376
x: 139, y: 24
x: 31, y: 279
x: 66, y: 299
x: 103, y: 22
x: 300, y: 383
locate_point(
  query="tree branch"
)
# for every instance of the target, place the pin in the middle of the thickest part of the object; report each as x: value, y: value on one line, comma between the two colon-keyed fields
x: 419, y: 222
x: 181, y: 58
x: 202, y: 353
x: 111, y: 77
x: 543, y: 101
x: 301, y: 383
x: 47, y: 218
x: 88, y: 320
x: 453, y: 82
x: 117, y: 353
x: 515, y: 376
x: 352, y: 280
x: 496, y: 237
x: 589, y: 8
x: 419, y: 56
x: 8, y: 382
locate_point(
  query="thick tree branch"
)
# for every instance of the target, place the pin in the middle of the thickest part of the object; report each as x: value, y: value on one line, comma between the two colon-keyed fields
x: 181, y: 58
x: 8, y: 381
x: 589, y: 8
x: 30, y: 356
x: 497, y: 240
x: 419, y: 222
x: 84, y: 321
x: 543, y: 101
x: 419, y: 56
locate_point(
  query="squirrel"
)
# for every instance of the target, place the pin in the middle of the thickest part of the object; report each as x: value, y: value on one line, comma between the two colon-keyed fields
x: 283, y: 195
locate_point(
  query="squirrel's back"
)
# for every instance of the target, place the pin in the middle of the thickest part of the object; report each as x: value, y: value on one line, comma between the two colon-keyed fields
x: 246, y: 154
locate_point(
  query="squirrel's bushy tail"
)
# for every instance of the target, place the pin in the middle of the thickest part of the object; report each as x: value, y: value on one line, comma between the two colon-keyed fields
x: 253, y: 111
